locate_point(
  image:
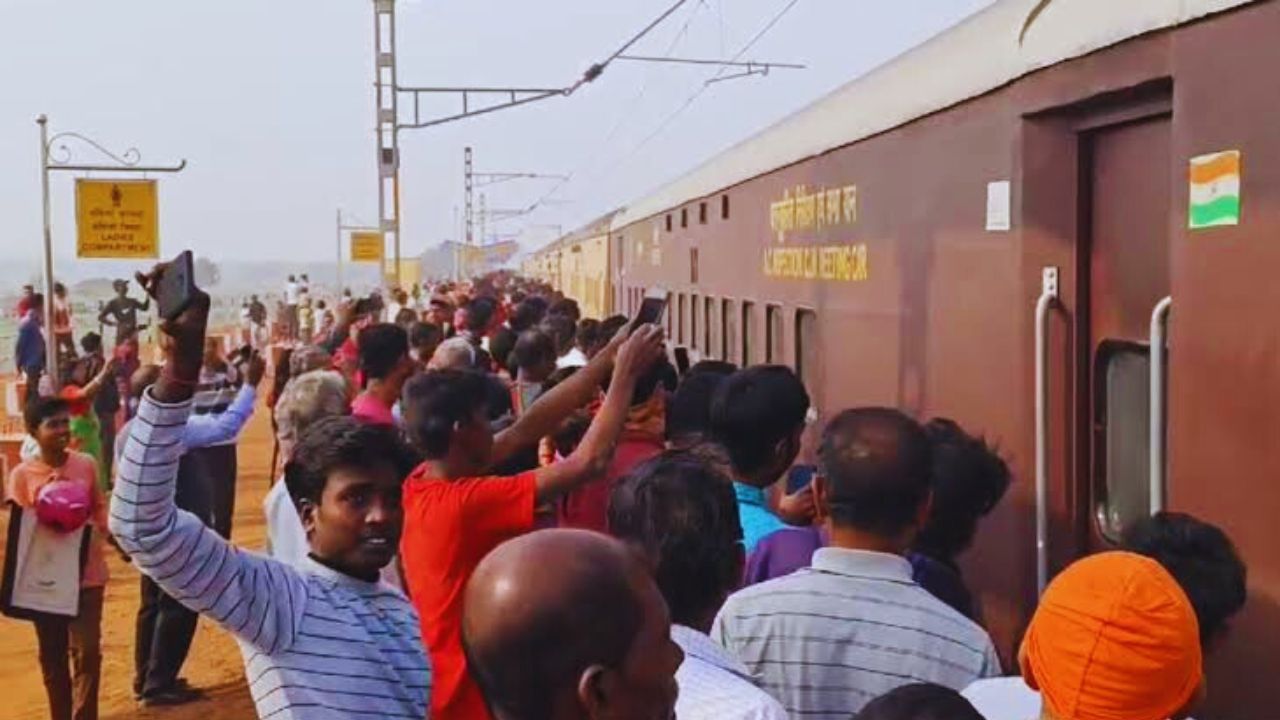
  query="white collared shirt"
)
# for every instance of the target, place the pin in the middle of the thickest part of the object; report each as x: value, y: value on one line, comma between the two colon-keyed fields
x: 714, y: 685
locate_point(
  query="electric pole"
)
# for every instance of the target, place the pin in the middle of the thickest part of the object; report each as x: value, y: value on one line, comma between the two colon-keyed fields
x: 384, y: 34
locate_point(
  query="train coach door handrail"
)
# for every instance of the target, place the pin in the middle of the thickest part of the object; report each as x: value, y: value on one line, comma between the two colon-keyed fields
x: 1048, y: 298
x: 1159, y: 333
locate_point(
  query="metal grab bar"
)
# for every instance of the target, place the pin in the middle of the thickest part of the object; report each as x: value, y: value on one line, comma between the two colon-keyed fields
x: 1158, y: 336
x: 1048, y: 297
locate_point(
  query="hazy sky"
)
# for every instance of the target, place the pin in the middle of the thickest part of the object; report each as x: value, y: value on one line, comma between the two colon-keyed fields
x: 271, y: 103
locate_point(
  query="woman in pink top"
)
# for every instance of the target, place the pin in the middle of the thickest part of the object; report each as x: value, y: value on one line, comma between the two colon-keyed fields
x: 64, y: 641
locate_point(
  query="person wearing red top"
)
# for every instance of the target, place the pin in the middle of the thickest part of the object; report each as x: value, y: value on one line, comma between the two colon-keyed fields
x: 454, y: 515
x: 642, y: 438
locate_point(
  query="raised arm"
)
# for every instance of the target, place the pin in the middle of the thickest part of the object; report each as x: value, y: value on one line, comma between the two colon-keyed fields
x: 218, y: 428
x: 593, y: 454
x: 258, y: 599
x: 91, y: 389
x: 545, y: 414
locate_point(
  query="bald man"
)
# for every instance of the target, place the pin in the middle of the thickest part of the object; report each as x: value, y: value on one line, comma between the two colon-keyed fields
x: 569, y: 625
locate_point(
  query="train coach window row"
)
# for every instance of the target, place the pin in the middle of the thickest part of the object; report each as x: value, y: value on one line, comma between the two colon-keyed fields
x: 704, y: 214
x: 728, y: 329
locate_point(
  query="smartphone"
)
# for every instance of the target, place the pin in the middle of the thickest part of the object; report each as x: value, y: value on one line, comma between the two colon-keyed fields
x: 651, y: 308
x: 799, y: 477
x: 177, y: 285
x: 681, y: 354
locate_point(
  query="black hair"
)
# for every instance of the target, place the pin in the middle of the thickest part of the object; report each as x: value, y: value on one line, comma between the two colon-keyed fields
x: 559, y: 376
x: 919, y: 701
x: 436, y: 402
x: 421, y: 334
x: 714, y: 367
x: 381, y: 346
x: 682, y: 512
x: 561, y: 329
x: 689, y: 410
x: 501, y: 345
x: 37, y: 301
x: 878, y: 466
x: 91, y: 342
x: 58, y: 287
x: 660, y: 374
x: 610, y: 327
x: 532, y: 348
x: 755, y: 409
x: 406, y: 316
x: 41, y: 408
x: 338, y: 442
x: 1201, y: 558
x: 588, y: 335
x: 480, y: 313
x: 537, y: 659
x: 969, y: 479
x: 528, y: 313
x: 566, y: 307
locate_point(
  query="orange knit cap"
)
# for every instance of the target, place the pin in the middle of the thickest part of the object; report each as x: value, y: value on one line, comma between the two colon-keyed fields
x: 1114, y: 638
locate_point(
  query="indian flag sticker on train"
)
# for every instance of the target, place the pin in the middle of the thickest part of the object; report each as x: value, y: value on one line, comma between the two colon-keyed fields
x: 1215, y: 190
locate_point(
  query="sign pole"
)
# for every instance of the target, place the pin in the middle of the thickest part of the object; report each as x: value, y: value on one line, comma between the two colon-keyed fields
x: 339, y: 247
x: 127, y: 162
x: 50, y: 342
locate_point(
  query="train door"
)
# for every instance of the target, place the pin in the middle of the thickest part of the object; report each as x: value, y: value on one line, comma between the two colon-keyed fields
x: 1094, y: 439
x: 1126, y: 243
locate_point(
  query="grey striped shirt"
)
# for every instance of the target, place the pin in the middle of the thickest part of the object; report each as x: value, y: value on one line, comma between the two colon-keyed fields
x: 827, y: 639
x: 318, y: 645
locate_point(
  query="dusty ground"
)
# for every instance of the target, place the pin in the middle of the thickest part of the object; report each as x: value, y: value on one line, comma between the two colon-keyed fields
x: 214, y: 663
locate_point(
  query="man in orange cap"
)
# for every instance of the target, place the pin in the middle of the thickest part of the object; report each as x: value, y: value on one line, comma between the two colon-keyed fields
x: 1114, y: 638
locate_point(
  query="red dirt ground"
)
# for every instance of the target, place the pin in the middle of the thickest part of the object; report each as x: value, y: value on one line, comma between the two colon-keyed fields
x: 214, y: 664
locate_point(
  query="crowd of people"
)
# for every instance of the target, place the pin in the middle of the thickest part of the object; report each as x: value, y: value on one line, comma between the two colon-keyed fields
x: 489, y: 506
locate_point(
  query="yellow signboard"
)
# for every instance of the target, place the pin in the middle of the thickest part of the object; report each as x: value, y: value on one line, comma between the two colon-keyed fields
x: 367, y: 247
x: 117, y: 219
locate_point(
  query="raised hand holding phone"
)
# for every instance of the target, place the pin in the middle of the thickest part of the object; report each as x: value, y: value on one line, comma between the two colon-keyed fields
x: 184, y: 317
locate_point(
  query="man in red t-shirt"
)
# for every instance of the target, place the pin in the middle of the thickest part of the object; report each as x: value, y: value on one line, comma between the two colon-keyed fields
x: 454, y: 515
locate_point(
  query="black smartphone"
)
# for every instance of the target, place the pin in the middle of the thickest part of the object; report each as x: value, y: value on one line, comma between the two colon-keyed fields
x: 799, y: 477
x: 177, y: 285
x: 651, y: 308
x: 681, y: 354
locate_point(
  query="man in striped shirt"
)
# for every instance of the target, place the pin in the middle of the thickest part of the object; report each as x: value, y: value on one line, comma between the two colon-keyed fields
x: 827, y: 639
x: 322, y: 641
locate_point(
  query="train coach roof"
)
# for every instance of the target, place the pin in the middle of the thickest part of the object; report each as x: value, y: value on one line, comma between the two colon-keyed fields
x: 974, y: 57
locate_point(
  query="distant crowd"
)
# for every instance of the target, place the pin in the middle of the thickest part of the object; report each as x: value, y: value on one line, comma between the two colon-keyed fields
x: 489, y: 506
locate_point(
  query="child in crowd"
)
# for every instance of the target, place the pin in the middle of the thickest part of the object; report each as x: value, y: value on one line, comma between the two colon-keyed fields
x: 80, y: 393
x: 73, y: 692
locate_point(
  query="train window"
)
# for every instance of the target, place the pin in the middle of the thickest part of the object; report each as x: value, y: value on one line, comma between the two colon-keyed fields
x: 728, y: 334
x: 668, y: 222
x: 1123, y: 427
x: 724, y: 207
x: 702, y: 213
x: 748, y: 332
x: 684, y: 217
x: 773, y: 352
x: 709, y: 313
x: 807, y: 349
x: 693, y: 266
x: 668, y: 313
x: 694, y: 307
x: 680, y: 320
